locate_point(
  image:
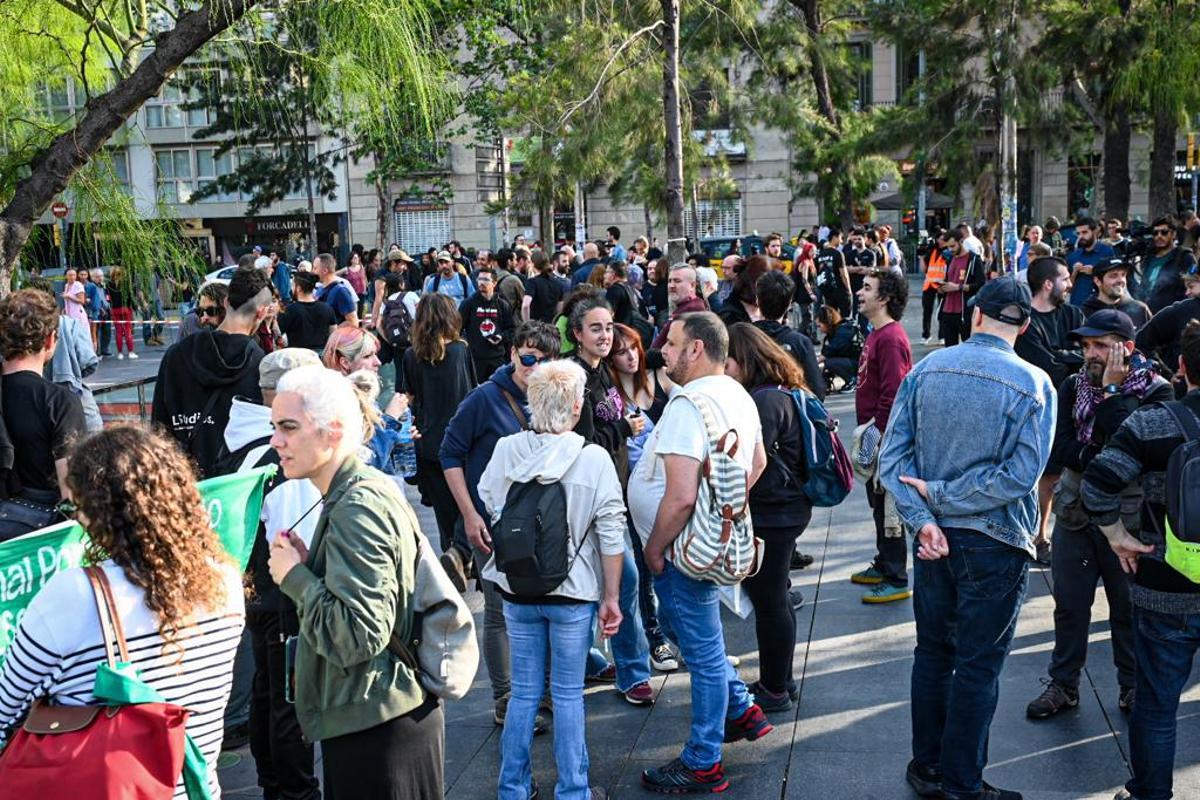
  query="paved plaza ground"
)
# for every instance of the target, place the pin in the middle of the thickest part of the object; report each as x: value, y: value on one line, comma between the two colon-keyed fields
x: 849, y: 736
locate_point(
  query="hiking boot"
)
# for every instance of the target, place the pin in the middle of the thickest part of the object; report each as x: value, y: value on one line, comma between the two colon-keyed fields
x: 770, y: 702
x: 1053, y: 699
x: 801, y: 560
x: 640, y: 694
x: 677, y: 778
x: 925, y: 781
x: 1125, y: 699
x: 795, y: 599
x: 452, y: 562
x: 500, y: 713
x: 886, y: 593
x: 868, y: 577
x: 662, y: 658
x: 606, y: 675
x: 750, y: 725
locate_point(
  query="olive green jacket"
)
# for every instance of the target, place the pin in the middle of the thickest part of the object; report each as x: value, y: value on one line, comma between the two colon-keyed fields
x: 353, y: 595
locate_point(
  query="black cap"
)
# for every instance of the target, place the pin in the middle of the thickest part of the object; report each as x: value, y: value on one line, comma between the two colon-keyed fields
x: 1104, y: 322
x: 1000, y: 297
x: 1108, y: 265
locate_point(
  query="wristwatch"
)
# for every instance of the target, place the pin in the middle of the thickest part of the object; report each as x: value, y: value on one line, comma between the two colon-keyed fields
x: 1111, y: 388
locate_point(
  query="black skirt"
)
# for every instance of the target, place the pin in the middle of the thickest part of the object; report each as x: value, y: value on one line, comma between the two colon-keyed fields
x: 400, y: 759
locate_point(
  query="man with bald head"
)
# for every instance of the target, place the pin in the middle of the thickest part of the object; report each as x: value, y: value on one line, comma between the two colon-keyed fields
x: 591, y: 259
x: 683, y: 295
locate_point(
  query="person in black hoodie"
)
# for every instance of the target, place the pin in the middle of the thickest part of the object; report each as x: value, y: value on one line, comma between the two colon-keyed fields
x: 775, y: 291
x: 1162, y: 336
x: 488, y: 325
x: 199, y: 376
x: 780, y: 509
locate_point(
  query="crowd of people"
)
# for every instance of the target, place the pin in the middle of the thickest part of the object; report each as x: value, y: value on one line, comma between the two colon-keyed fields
x: 611, y: 443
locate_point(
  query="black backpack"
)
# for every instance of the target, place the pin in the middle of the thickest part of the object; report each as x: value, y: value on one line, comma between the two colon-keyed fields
x: 1183, y: 496
x: 396, y: 323
x: 532, y: 539
x: 638, y: 319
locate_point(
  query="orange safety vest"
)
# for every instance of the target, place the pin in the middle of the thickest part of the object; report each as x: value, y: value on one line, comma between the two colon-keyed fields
x: 935, y: 271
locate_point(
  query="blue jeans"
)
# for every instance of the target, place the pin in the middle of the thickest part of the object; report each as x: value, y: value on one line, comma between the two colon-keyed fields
x: 690, y: 613
x: 966, y: 608
x: 1164, y: 646
x: 630, y: 651
x: 565, y: 632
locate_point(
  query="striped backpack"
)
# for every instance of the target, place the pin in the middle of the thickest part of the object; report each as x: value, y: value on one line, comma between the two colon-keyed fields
x: 718, y: 543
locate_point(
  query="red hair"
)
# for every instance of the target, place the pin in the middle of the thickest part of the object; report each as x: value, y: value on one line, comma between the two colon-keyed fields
x: 626, y: 337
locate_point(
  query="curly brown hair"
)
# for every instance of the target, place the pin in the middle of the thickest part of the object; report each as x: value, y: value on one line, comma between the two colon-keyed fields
x: 437, y: 324
x: 27, y: 319
x: 136, y: 492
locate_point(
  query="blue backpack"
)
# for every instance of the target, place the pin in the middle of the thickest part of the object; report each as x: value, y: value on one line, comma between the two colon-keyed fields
x: 830, y: 473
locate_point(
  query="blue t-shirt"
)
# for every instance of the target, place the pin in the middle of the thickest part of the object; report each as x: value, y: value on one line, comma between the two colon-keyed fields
x: 457, y: 286
x: 340, y: 296
x: 617, y: 253
x: 1085, y: 287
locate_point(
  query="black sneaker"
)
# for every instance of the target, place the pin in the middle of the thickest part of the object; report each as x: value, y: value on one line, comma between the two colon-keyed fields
x: 750, y: 726
x: 925, y: 781
x: 992, y: 793
x: 801, y: 560
x: 677, y: 778
x: 769, y: 701
x: 1053, y: 699
x: 1125, y: 699
x: 796, y: 599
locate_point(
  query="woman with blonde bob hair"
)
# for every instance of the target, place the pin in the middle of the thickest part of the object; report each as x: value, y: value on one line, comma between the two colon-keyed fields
x: 178, y: 595
x: 381, y: 733
x: 558, y: 623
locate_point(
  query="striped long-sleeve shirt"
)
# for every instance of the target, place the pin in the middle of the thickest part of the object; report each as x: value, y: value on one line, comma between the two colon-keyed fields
x: 59, y: 644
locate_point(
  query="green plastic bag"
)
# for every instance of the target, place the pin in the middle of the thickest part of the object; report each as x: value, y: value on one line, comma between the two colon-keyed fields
x: 122, y: 687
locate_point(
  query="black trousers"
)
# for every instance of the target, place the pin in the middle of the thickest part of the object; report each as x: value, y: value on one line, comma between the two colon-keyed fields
x: 952, y: 325
x: 435, y: 492
x: 891, y: 552
x: 928, y: 303
x: 844, y: 368
x: 400, y: 759
x: 646, y: 602
x: 774, y: 619
x: 284, y: 760
x: 1078, y: 560
x: 484, y: 367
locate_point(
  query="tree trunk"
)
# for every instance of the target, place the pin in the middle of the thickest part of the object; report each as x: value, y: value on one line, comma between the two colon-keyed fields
x: 1117, y: 134
x: 839, y: 194
x: 53, y: 168
x: 1162, y: 164
x: 676, y: 249
x: 381, y: 220
x: 649, y: 222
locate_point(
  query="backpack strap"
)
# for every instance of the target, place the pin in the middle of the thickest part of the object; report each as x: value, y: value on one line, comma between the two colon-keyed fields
x: 1186, y: 419
x: 462, y: 281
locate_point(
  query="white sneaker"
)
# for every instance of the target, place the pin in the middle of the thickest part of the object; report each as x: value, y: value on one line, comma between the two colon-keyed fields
x: 928, y: 340
x: 133, y: 355
x: 120, y: 356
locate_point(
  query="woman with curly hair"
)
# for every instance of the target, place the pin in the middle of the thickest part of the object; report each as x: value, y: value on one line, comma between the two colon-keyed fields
x: 436, y: 373
x: 178, y: 595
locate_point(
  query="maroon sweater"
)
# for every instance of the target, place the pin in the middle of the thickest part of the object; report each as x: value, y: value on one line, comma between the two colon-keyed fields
x: 886, y: 358
x: 686, y: 307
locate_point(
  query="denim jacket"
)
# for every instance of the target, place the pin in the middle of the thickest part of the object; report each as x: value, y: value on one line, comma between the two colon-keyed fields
x: 976, y: 423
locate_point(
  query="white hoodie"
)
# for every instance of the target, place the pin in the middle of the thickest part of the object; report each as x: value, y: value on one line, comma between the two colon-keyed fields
x: 289, y: 500
x: 593, y: 493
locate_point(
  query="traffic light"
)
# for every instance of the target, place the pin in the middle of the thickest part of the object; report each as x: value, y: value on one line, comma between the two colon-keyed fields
x: 57, y: 235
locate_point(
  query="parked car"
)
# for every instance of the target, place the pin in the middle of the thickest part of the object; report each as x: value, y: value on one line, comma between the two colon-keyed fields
x: 716, y: 248
x: 222, y: 275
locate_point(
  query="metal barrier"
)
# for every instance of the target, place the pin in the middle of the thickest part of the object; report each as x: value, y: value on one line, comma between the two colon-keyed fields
x: 128, y: 411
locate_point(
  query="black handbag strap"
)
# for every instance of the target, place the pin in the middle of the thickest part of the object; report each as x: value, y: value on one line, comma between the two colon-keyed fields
x: 516, y: 409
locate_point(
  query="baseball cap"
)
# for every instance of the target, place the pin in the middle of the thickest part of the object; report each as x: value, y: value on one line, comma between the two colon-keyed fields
x: 1104, y: 322
x: 444, y: 255
x: 1006, y: 300
x: 399, y: 255
x: 1108, y: 265
x: 275, y: 364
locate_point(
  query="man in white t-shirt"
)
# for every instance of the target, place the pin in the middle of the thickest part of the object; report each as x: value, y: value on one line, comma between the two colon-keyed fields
x: 662, y: 496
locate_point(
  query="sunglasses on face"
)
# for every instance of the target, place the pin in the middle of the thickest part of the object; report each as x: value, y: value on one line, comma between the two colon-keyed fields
x: 208, y: 311
x: 530, y: 360
x: 1162, y: 232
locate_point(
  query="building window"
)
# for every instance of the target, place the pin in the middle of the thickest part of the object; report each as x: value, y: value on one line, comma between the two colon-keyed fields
x: 173, y: 173
x: 861, y: 54
x: 908, y: 70
x: 420, y: 224
x: 717, y: 217
x: 165, y: 110
x: 489, y: 172
x: 1081, y: 183
x: 63, y: 100
x: 209, y: 167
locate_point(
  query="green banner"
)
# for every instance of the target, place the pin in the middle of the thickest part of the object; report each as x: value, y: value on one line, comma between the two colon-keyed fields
x: 233, y: 502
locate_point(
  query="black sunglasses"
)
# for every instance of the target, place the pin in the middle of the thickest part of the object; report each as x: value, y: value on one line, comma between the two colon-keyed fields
x: 208, y: 311
x: 1162, y: 231
x: 529, y: 360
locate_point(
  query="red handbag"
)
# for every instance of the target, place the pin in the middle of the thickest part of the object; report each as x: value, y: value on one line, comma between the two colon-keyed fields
x: 127, y: 750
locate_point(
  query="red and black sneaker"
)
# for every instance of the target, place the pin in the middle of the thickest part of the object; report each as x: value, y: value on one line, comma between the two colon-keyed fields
x: 749, y: 726
x: 678, y: 778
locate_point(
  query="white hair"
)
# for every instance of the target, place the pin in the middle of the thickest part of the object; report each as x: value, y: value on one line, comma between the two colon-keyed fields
x: 263, y: 263
x: 304, y: 266
x: 328, y: 397
x: 707, y: 276
x: 554, y: 389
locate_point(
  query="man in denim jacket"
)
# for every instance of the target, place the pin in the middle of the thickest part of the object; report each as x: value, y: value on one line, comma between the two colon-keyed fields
x: 968, y: 487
